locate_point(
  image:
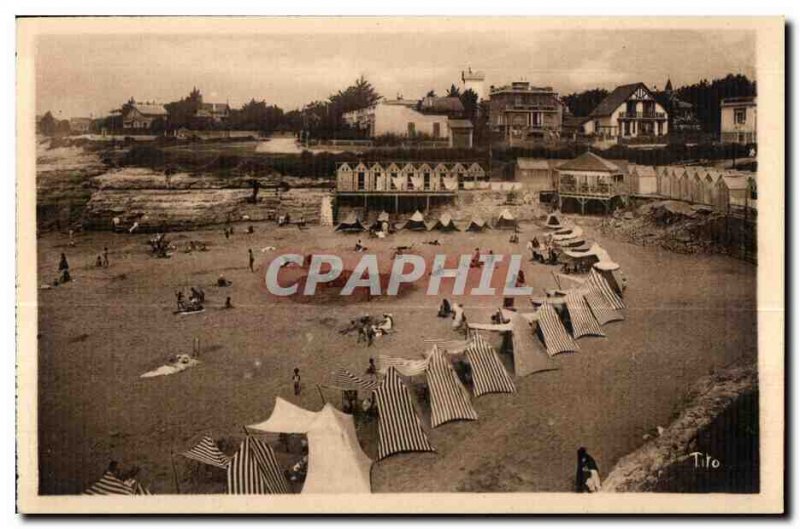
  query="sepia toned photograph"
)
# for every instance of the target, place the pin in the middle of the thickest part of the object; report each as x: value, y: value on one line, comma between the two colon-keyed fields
x: 380, y: 265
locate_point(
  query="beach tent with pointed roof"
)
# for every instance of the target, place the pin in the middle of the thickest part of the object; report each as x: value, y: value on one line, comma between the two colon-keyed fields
x: 506, y: 220
x: 350, y: 224
x: 581, y: 317
x: 488, y: 373
x: 415, y: 223
x: 449, y: 399
x: 399, y: 426
x: 445, y: 223
x: 336, y: 462
x: 477, y: 224
x: 254, y: 470
x: 206, y: 451
x: 555, y: 336
x: 598, y: 281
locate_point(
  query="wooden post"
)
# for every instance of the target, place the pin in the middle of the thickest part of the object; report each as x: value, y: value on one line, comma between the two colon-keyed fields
x: 321, y: 395
x: 396, y: 203
x: 427, y: 203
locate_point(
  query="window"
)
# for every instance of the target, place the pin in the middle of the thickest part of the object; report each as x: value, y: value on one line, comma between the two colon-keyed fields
x: 436, y: 130
x: 361, y: 181
x: 412, y: 129
x: 426, y: 182
x: 377, y: 178
x: 740, y: 116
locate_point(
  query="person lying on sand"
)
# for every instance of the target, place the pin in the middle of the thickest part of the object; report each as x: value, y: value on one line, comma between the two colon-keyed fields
x: 173, y: 365
x: 434, y: 242
x: 222, y: 282
x: 385, y: 326
x: 360, y: 247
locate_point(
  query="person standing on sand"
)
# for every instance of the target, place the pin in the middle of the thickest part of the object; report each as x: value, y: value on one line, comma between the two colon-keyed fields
x: 105, y: 257
x: 252, y: 259
x: 587, y: 475
x: 63, y: 269
x: 296, y: 381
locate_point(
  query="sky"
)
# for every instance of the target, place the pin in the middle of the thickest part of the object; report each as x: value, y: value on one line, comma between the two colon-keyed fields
x: 82, y: 74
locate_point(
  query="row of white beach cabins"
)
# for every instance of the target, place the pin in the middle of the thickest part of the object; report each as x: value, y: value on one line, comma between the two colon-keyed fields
x: 719, y: 188
x: 711, y: 186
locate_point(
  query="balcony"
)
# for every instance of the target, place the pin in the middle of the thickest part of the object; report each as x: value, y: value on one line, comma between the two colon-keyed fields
x: 603, y: 190
x: 643, y: 115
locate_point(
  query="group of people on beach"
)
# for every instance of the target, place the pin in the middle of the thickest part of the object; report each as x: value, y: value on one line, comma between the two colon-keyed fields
x: 369, y: 327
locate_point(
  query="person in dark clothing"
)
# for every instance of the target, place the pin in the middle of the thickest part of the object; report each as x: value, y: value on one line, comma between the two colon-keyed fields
x: 63, y: 269
x: 444, y: 309
x: 105, y: 257
x: 296, y: 381
x: 228, y: 304
x: 587, y: 475
x: 227, y: 233
x: 252, y: 259
x: 371, y: 370
x: 99, y: 262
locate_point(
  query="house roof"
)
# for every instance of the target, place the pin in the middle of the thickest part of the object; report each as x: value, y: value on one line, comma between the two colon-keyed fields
x: 613, y: 100
x: 589, y: 161
x: 459, y: 124
x: 150, y: 109
x: 643, y: 170
x: 442, y: 104
x: 735, y: 182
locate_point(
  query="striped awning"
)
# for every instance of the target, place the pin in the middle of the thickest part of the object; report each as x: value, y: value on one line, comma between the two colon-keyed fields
x: 345, y: 380
x: 109, y: 484
x: 399, y: 427
x: 583, y: 321
x: 601, y: 308
x: 405, y: 366
x: 449, y: 398
x: 207, y: 451
x: 254, y: 470
x: 488, y: 373
x: 598, y: 281
x: 530, y: 355
x: 556, y: 338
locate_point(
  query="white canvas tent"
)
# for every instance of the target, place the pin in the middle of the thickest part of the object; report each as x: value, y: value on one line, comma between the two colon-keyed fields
x: 476, y: 224
x: 351, y: 223
x: 506, y: 220
x: 383, y: 218
x: 445, y: 223
x: 415, y: 223
x: 336, y: 462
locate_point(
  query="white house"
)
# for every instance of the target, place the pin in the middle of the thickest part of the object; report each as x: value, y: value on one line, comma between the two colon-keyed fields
x: 399, y: 117
x: 629, y: 111
x: 738, y: 120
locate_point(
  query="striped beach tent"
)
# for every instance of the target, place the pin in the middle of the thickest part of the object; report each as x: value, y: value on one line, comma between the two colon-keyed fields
x: 399, y: 427
x: 583, y: 321
x: 207, y: 451
x: 405, y: 366
x: 556, y: 338
x: 603, y: 311
x: 449, y: 398
x: 345, y: 380
x: 254, y: 470
x: 109, y: 485
x: 488, y: 373
x: 596, y: 280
